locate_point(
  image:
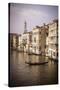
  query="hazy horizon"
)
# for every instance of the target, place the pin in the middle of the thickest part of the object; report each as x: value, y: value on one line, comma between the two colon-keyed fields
x: 32, y: 14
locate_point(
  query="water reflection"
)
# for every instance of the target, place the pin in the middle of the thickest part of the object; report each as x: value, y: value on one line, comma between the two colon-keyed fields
x: 35, y: 58
x: 22, y: 74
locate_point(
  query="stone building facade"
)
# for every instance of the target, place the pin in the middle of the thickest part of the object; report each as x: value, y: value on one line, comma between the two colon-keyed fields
x: 27, y: 41
x: 20, y: 46
x: 10, y: 40
x: 39, y: 39
x: 53, y: 40
x: 13, y: 41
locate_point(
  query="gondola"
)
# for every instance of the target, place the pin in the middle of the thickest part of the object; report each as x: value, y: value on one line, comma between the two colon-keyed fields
x: 39, y: 63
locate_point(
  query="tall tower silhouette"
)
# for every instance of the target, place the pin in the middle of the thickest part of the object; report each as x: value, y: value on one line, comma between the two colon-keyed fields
x: 25, y: 27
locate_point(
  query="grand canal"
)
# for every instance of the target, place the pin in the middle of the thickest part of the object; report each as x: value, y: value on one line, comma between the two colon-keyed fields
x: 22, y: 74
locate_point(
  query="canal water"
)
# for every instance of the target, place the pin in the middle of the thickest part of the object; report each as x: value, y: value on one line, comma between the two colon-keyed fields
x: 22, y: 74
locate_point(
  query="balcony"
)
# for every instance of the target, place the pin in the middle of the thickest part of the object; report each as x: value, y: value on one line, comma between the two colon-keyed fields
x: 53, y: 42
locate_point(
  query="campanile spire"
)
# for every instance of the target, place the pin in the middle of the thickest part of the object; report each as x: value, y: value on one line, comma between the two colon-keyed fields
x: 25, y: 27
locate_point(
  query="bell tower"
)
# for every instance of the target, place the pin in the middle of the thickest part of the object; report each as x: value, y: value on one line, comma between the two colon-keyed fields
x: 25, y: 27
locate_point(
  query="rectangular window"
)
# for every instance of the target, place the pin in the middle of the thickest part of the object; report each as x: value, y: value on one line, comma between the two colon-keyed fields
x: 53, y: 53
x: 39, y: 47
x: 34, y: 39
x: 39, y: 32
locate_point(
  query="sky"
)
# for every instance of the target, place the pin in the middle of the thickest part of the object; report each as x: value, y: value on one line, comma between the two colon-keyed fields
x: 33, y: 15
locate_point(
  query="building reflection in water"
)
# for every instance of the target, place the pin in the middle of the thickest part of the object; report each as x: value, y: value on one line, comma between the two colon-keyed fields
x: 22, y: 74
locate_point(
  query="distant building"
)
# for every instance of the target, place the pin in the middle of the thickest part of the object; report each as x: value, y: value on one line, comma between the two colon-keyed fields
x: 19, y: 43
x: 11, y: 40
x: 27, y: 40
x: 14, y: 38
x: 53, y: 40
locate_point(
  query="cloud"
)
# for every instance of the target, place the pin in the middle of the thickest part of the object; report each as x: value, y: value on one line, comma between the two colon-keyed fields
x: 33, y: 13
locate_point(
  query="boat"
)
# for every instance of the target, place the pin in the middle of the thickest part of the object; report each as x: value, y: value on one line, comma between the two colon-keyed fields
x: 39, y: 63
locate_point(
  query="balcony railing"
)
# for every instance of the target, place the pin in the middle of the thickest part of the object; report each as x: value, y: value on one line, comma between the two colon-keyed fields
x: 53, y: 42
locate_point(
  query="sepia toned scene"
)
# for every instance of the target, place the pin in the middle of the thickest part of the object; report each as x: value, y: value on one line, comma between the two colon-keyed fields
x: 33, y: 44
